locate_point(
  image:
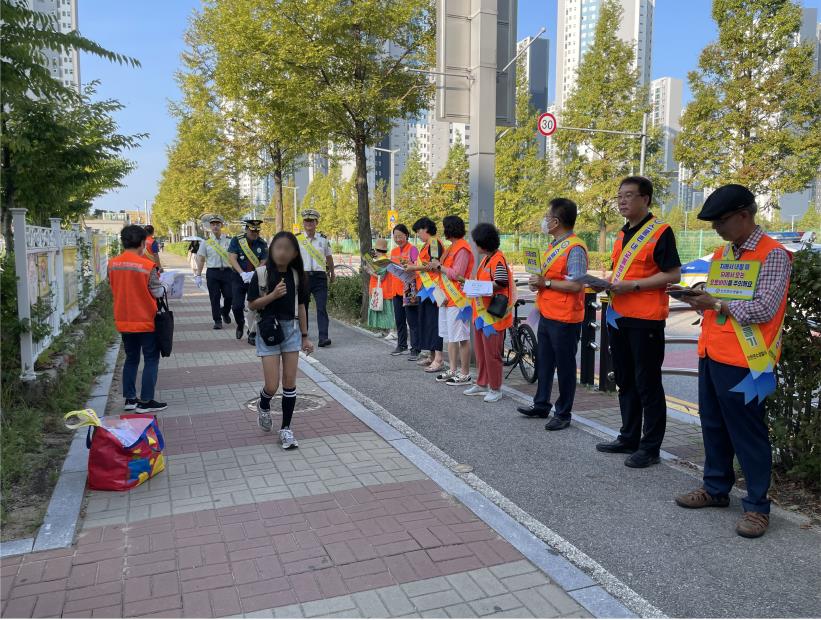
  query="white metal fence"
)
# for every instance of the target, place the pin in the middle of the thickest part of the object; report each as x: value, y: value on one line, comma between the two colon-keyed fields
x: 58, y: 274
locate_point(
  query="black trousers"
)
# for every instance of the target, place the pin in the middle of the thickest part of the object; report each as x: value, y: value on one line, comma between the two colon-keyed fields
x: 429, y: 338
x: 238, y: 292
x: 219, y: 283
x: 318, y: 286
x: 556, y: 346
x: 406, y: 316
x: 638, y: 353
x: 730, y: 427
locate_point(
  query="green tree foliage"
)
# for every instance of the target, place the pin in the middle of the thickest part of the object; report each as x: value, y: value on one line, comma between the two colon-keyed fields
x: 413, y: 195
x: 202, y: 170
x: 444, y: 200
x: 754, y: 118
x: 39, y: 131
x: 811, y: 220
x: 607, y: 96
x: 525, y: 181
x: 62, y: 155
x: 793, y: 411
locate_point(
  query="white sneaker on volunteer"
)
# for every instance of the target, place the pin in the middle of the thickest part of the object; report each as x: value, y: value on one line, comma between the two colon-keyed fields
x: 287, y: 439
x: 445, y: 376
x: 475, y: 390
x: 493, y: 396
x: 460, y: 379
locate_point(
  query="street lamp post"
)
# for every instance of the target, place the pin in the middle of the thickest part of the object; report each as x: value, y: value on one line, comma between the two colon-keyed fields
x: 792, y: 223
x: 686, y: 213
x: 392, y: 153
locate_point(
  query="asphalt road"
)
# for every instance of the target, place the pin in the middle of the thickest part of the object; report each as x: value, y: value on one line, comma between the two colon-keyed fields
x: 686, y: 563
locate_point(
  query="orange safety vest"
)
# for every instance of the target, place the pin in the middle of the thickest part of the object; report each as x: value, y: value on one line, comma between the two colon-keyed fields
x: 149, y: 242
x: 397, y: 287
x: 720, y: 342
x: 387, y: 287
x: 559, y: 305
x: 134, y: 305
x: 449, y: 257
x: 486, y: 272
x: 425, y: 257
x: 652, y: 305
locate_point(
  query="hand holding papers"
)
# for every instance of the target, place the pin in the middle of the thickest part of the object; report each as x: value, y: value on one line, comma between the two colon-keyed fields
x: 405, y: 276
x: 478, y: 288
x: 593, y: 282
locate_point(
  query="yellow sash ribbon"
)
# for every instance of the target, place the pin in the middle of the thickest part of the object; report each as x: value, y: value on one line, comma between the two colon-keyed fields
x: 315, y: 254
x: 430, y: 289
x: 246, y: 249
x: 560, y: 249
x: 631, y: 250
x: 218, y: 249
x: 455, y: 296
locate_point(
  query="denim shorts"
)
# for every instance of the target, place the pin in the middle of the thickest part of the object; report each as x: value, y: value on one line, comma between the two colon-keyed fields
x: 291, y: 343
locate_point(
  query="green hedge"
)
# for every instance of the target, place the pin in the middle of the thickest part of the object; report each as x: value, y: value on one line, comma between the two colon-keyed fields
x: 180, y: 248
x: 793, y: 411
x: 345, y: 298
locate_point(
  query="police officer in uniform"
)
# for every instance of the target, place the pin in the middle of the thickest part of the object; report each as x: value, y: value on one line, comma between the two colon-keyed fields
x: 738, y: 349
x: 213, y: 255
x: 245, y: 252
x: 319, y: 265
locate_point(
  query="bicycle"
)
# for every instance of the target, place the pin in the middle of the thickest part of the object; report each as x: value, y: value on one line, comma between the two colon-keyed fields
x: 520, y: 345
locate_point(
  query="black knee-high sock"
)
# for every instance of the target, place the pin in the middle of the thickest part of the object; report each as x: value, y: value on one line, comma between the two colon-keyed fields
x: 265, y: 399
x: 288, y: 403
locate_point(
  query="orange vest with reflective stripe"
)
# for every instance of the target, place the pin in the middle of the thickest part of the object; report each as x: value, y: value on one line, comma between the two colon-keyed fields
x: 559, y: 305
x: 486, y: 272
x: 652, y: 305
x: 134, y: 305
x: 425, y: 257
x: 387, y: 287
x: 449, y: 257
x: 397, y: 287
x: 149, y: 243
x: 720, y: 342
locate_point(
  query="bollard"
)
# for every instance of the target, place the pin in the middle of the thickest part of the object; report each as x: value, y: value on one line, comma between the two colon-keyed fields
x: 589, y: 326
x: 606, y: 384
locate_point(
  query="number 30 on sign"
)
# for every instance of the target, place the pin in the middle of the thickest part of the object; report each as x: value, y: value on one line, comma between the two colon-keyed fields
x: 547, y: 124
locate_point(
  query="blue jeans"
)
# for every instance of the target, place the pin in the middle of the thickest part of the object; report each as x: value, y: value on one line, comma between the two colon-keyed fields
x: 134, y: 344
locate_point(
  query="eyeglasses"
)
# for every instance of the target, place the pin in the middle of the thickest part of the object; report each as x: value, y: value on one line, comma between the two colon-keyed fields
x: 723, y: 220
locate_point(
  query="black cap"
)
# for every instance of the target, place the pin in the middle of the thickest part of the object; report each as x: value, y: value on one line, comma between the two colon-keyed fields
x: 724, y: 200
x: 251, y: 224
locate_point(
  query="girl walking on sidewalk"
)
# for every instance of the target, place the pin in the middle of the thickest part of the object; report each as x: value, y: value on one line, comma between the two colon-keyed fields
x: 278, y: 292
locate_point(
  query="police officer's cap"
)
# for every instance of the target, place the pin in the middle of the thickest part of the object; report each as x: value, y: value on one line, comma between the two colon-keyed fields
x: 216, y: 218
x: 310, y: 214
x: 252, y: 224
x: 724, y: 200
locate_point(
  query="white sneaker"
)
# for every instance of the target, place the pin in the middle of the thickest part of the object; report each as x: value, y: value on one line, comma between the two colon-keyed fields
x: 264, y: 419
x: 287, y: 439
x: 392, y: 336
x: 445, y: 376
x: 493, y: 396
x: 459, y: 379
x: 475, y: 390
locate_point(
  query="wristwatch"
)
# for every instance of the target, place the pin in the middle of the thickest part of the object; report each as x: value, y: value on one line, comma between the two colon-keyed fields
x: 636, y: 287
x: 717, y: 307
x: 548, y: 283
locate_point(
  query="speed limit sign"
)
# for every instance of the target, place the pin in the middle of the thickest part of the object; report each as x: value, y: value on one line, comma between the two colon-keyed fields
x: 547, y: 124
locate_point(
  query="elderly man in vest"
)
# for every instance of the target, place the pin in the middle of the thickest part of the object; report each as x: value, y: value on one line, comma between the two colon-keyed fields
x: 561, y: 307
x: 743, y: 304
x: 135, y: 287
x: 645, y: 261
x: 213, y: 255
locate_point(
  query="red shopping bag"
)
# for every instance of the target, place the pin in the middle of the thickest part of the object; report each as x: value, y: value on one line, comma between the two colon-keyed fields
x: 124, y: 451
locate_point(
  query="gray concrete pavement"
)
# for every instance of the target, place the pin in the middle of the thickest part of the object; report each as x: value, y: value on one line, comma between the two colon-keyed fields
x: 686, y: 563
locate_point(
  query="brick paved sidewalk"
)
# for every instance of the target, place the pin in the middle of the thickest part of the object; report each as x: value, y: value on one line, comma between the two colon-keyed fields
x: 343, y: 527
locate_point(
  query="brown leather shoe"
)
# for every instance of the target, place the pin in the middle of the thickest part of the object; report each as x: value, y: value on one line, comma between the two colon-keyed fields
x: 701, y: 499
x: 752, y: 524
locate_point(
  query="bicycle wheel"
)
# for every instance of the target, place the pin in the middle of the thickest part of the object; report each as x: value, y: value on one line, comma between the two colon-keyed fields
x: 527, y: 348
x: 509, y: 354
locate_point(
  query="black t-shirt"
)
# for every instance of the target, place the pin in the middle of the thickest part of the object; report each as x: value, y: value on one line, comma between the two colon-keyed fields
x: 665, y: 255
x: 282, y: 308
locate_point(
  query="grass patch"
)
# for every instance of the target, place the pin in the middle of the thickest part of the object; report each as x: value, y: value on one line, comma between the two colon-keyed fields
x: 34, y: 441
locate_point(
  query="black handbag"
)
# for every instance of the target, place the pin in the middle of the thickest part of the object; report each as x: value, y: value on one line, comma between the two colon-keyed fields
x: 498, y: 303
x: 164, y: 326
x: 270, y: 330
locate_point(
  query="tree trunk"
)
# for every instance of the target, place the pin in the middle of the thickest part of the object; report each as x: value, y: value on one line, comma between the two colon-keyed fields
x: 363, y: 215
x: 278, y: 215
x: 603, y: 233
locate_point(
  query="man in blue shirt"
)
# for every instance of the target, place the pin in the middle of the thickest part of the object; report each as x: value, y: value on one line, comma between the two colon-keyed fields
x: 246, y: 252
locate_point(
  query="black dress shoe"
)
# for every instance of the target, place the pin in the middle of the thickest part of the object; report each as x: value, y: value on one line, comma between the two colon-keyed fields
x: 325, y: 343
x: 533, y: 412
x: 217, y: 325
x: 240, y: 329
x: 227, y: 319
x: 641, y: 459
x: 557, y: 424
x: 615, y: 447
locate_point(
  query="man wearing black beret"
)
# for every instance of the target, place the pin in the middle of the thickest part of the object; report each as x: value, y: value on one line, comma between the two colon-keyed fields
x: 743, y: 304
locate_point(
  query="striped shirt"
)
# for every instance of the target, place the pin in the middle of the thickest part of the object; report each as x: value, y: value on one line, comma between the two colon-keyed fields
x: 772, y: 283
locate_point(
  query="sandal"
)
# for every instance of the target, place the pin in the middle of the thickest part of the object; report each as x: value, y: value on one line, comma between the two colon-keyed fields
x: 433, y: 368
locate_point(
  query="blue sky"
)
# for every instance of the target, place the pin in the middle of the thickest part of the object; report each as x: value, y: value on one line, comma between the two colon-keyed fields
x: 152, y: 31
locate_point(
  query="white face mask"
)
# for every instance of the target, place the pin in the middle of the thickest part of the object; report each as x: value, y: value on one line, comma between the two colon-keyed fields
x: 546, y: 228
